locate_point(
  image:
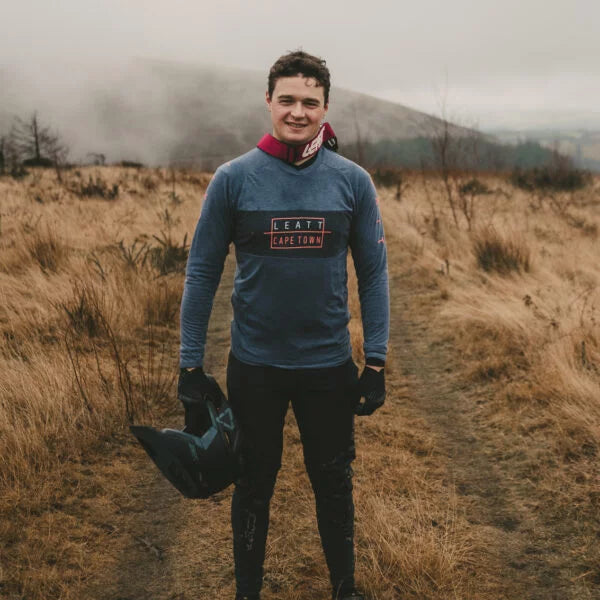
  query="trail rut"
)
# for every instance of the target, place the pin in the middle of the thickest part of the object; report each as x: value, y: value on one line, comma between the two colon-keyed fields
x: 159, y: 547
x: 524, y: 558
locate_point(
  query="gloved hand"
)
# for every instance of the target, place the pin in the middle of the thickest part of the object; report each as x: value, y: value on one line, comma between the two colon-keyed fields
x: 371, y: 386
x: 192, y: 389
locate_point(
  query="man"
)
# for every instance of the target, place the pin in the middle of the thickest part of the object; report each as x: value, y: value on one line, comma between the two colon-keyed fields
x: 292, y: 209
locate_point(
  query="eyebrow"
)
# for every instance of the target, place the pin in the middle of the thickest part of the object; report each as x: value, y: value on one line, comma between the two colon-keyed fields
x: 290, y: 97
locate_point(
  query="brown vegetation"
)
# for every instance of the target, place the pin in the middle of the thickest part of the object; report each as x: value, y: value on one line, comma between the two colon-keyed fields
x: 503, y: 255
x: 502, y: 304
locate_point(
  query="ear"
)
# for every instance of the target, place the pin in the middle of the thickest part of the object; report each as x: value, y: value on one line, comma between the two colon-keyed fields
x: 268, y: 99
x: 326, y: 107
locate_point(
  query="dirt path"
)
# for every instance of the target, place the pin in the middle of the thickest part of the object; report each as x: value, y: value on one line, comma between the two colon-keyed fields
x: 526, y: 558
x: 154, y: 537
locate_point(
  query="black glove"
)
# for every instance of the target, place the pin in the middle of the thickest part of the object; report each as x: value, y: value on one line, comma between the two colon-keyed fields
x: 192, y: 389
x: 371, y: 385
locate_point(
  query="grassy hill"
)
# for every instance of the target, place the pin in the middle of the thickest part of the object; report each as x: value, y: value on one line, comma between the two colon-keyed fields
x: 478, y: 479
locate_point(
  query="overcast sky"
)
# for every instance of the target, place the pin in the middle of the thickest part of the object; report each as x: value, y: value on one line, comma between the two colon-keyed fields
x: 487, y: 61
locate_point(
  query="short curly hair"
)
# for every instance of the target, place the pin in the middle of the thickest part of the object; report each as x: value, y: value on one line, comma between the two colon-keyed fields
x: 299, y: 62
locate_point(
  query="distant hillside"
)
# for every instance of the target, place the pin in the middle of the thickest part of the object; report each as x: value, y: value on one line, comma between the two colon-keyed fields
x: 162, y: 112
x: 582, y: 145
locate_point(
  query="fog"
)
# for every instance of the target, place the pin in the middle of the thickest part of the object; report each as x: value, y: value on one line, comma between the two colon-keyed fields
x: 481, y: 59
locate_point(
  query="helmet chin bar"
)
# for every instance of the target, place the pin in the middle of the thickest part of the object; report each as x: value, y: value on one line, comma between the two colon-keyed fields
x: 197, y: 465
x: 293, y: 154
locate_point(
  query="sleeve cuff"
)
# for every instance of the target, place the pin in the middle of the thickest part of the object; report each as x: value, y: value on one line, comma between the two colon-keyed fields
x: 374, y: 361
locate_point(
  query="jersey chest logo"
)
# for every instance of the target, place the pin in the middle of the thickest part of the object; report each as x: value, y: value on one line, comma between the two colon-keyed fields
x: 288, y: 233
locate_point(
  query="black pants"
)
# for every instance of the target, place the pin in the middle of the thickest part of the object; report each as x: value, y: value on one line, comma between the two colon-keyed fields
x: 323, y: 403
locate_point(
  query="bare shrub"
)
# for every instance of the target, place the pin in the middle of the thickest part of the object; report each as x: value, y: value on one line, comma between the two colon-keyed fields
x: 45, y: 195
x: 162, y: 302
x: 155, y: 374
x: 19, y: 172
x: 45, y: 247
x: 135, y: 254
x: 149, y: 183
x: 97, y: 158
x: 95, y: 188
x: 456, y: 152
x: 386, y: 176
x: 167, y: 219
x: 468, y: 192
x: 98, y: 267
x: 193, y: 178
x: 116, y: 376
x: 497, y: 253
x: 559, y: 176
x: 85, y: 310
x: 169, y: 256
x: 391, y: 177
x: 131, y: 164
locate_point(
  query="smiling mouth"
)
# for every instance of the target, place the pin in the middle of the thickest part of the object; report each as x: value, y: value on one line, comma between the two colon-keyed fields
x: 296, y: 125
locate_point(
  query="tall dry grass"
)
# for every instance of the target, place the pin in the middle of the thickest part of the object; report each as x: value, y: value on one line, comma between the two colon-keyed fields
x: 89, y: 303
x: 521, y: 303
x: 87, y: 345
x: 90, y: 293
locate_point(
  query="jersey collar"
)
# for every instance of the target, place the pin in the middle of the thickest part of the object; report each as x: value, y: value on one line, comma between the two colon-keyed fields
x: 293, y: 154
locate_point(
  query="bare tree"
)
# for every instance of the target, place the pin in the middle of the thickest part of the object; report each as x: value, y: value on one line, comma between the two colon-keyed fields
x: 456, y: 151
x: 12, y: 161
x: 444, y: 151
x: 98, y: 158
x: 36, y: 144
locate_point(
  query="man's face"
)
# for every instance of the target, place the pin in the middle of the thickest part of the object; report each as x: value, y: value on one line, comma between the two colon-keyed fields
x: 297, y: 108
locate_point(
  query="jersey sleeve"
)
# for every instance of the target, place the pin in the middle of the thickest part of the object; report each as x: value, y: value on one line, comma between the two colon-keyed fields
x: 367, y: 243
x: 204, y: 268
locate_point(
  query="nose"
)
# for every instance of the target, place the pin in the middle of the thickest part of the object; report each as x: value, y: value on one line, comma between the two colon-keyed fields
x: 297, y: 110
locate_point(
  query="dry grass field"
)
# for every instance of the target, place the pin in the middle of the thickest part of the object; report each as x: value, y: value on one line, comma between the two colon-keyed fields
x: 478, y: 479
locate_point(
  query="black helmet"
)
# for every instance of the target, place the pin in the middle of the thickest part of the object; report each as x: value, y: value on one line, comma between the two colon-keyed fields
x: 197, y: 465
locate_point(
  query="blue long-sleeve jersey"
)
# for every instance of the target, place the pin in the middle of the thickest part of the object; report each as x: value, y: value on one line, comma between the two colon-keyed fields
x: 291, y: 230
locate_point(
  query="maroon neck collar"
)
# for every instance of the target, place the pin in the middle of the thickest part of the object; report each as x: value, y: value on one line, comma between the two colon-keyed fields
x: 293, y: 154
